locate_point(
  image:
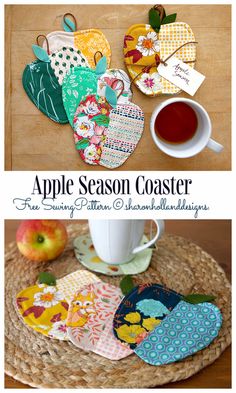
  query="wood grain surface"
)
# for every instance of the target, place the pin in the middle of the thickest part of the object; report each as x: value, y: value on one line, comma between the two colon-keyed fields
x: 33, y: 142
x: 214, y: 236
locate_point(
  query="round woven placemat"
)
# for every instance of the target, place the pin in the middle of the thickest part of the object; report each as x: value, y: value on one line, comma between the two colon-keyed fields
x: 46, y: 363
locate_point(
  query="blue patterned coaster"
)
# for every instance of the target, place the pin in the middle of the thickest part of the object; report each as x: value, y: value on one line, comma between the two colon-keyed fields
x: 141, y: 311
x: 185, y: 331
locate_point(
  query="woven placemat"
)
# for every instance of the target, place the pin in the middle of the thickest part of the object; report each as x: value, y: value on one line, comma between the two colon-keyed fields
x: 46, y: 363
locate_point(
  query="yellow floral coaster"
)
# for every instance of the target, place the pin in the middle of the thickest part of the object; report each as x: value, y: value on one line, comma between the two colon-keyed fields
x: 141, y: 46
x: 44, y: 308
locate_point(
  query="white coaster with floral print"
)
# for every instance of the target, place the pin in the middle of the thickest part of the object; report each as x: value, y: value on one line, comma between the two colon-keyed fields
x: 44, y: 309
x: 71, y: 283
x: 90, y: 321
x: 66, y: 58
x: 112, y: 78
x: 86, y: 255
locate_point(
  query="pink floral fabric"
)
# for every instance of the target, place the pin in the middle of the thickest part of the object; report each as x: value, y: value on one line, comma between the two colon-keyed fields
x: 90, y: 125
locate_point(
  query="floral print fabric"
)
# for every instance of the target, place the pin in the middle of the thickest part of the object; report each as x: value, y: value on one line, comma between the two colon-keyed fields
x: 141, y: 311
x: 143, y: 48
x: 44, y: 309
x: 90, y: 319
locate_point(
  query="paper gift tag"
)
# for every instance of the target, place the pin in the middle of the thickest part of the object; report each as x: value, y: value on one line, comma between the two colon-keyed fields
x: 181, y: 75
x: 71, y: 283
x: 141, y: 311
x: 44, y: 308
x: 90, y: 319
x: 186, y: 330
x: 86, y: 255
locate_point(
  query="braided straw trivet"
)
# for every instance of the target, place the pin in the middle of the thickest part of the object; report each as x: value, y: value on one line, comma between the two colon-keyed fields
x: 46, y: 363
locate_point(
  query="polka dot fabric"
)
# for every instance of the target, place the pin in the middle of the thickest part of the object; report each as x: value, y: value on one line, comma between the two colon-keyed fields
x: 65, y: 59
x: 185, y: 331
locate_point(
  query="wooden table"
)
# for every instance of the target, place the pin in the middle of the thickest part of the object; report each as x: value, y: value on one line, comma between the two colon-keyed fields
x: 33, y: 142
x: 214, y: 236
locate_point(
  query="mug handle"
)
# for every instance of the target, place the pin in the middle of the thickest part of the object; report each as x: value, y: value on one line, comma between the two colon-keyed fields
x: 215, y: 146
x: 160, y: 229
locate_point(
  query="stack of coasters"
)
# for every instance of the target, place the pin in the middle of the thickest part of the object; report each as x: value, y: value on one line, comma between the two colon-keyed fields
x: 107, y: 126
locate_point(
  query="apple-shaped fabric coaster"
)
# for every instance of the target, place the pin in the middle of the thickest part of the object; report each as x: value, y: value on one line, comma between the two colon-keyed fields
x: 44, y: 309
x: 146, y: 44
x: 106, y: 132
x: 42, y: 79
x: 141, y: 311
x: 70, y: 283
x: 90, y: 320
x: 186, y: 330
x: 86, y: 255
x: 82, y: 82
x: 88, y: 41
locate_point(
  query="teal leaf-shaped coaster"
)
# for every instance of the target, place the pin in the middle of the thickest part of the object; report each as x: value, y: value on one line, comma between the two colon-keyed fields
x: 40, y: 53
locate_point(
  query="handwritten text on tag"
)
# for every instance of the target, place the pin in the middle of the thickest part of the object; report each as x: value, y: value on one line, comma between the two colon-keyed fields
x: 181, y: 75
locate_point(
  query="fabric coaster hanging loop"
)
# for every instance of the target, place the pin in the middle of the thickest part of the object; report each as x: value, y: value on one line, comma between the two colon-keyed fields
x: 46, y: 40
x: 120, y: 90
x: 95, y: 56
x: 67, y: 24
x: 161, y: 11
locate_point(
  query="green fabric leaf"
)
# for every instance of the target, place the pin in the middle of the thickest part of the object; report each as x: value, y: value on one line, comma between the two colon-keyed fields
x: 154, y: 19
x: 126, y: 284
x: 70, y: 23
x: 82, y: 144
x: 196, y: 298
x: 101, y: 66
x: 101, y: 120
x: 169, y: 19
x: 40, y: 53
x: 46, y: 278
x: 111, y: 96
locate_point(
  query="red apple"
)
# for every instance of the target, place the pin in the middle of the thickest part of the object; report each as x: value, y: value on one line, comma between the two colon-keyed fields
x: 41, y: 240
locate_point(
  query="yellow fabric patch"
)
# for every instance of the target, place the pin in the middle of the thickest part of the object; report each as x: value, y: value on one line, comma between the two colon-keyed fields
x: 44, y: 308
x: 89, y: 42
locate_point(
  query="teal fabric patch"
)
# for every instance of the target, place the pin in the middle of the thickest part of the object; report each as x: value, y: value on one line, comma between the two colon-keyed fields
x: 77, y: 85
x: 42, y: 87
x: 186, y: 330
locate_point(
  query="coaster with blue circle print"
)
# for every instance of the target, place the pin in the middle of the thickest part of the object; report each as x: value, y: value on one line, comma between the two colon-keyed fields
x: 141, y: 311
x: 188, y: 329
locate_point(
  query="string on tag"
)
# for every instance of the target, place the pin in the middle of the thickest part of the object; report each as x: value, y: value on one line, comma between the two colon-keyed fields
x: 158, y: 60
x: 45, y: 38
x: 67, y: 24
x: 95, y: 56
x: 120, y: 90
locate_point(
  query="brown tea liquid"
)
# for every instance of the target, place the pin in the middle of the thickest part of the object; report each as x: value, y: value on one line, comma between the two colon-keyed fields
x: 176, y: 123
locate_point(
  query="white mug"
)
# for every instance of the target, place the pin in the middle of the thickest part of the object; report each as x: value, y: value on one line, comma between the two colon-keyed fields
x: 117, y: 241
x: 200, y: 140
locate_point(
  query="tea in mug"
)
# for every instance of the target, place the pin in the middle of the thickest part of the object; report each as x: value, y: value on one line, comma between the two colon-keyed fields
x: 176, y: 123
